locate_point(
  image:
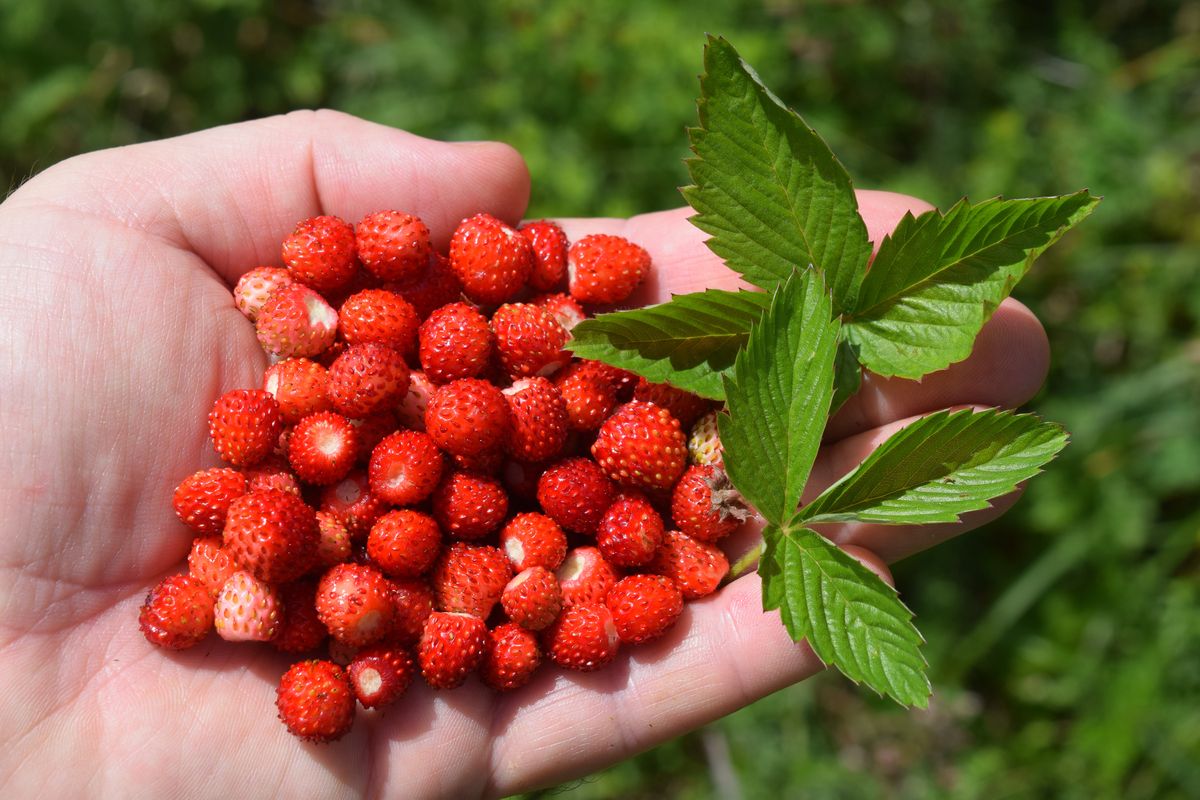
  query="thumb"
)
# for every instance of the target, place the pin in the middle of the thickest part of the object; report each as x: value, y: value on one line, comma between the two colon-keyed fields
x: 232, y: 194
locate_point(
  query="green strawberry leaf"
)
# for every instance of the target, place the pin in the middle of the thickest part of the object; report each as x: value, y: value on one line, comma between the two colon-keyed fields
x: 937, y: 279
x: 940, y: 467
x: 689, y: 341
x: 767, y: 188
x: 847, y: 376
x: 850, y: 618
x: 778, y: 397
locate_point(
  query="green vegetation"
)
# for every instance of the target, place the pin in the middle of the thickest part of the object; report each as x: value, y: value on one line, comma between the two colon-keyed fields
x: 1063, y: 639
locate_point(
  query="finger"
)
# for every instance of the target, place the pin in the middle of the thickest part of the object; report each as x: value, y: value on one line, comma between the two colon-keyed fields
x: 1007, y: 367
x: 890, y: 542
x: 231, y: 194
x: 722, y: 654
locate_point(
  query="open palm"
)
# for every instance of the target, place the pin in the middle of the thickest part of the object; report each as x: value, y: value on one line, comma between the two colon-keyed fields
x: 117, y: 333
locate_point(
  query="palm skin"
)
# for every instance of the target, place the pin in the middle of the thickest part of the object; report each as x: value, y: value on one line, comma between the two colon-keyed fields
x: 119, y: 332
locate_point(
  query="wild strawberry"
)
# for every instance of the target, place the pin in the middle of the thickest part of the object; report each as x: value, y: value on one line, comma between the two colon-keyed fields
x: 366, y: 379
x: 575, y: 493
x: 296, y: 321
x: 684, y: 406
x: 203, y: 498
x: 589, y: 392
x: 405, y: 468
x: 380, y: 674
x: 533, y: 598
x: 529, y: 340
x: 355, y: 603
x: 333, y: 546
x: 209, y: 564
x: 470, y: 579
x: 451, y: 647
x: 696, y: 568
x: 273, y: 472
x: 247, y: 609
x: 301, y: 630
x: 491, y: 259
x: 256, y: 286
x: 323, y: 448
x: 353, y: 503
x: 411, y: 411
x: 454, y: 342
x: 273, y: 534
x: 549, y: 245
x: 404, y: 543
x: 584, y: 637
x: 538, y: 420
x: 244, y: 425
x: 436, y: 287
x: 382, y: 317
x: 644, y: 607
x: 315, y: 701
x: 177, y: 613
x: 641, y: 445
x: 511, y: 658
x: 705, y: 505
x: 563, y: 308
x: 299, y: 386
x: 585, y: 576
x: 704, y: 441
x: 393, y: 246
x: 630, y: 531
x: 413, y: 600
x: 467, y: 417
x: 533, y: 540
x: 605, y: 269
x: 373, y: 429
x: 468, y: 505
x: 321, y: 253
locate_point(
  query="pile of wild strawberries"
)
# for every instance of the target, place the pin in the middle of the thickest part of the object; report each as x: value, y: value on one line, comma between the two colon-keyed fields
x: 418, y: 485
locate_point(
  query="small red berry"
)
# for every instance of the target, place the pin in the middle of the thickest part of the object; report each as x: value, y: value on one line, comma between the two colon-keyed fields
x: 355, y: 602
x: 299, y: 386
x: 323, y: 448
x: 353, y: 503
x: 468, y: 417
x: 563, y: 308
x: 404, y: 543
x: 202, y: 500
x: 696, y: 568
x: 511, y: 658
x: 584, y: 637
x: 469, y: 505
x: 245, y: 425
x: 529, y: 340
x: 321, y: 253
x: 296, y: 321
x: 367, y: 379
x: 605, y: 269
x: 684, y: 406
x: 315, y: 701
x: 380, y: 674
x: 256, y: 287
x: 641, y: 445
x: 470, y: 579
x: 549, y: 245
x: 209, y: 564
x: 585, y: 576
x: 411, y: 411
x: 575, y: 493
x: 644, y: 607
x: 436, y: 287
x: 382, y: 317
x: 177, y: 613
x: 630, y: 532
x: 533, y: 540
x: 533, y: 598
x: 247, y: 609
x: 538, y: 420
x: 393, y: 246
x: 455, y: 342
x: 301, y: 630
x: 451, y: 647
x: 273, y: 534
x: 589, y: 392
x: 405, y: 468
x: 491, y: 259
x: 413, y: 600
x: 705, y: 505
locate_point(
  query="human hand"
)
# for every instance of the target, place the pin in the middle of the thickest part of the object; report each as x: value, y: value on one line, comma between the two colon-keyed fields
x: 115, y: 270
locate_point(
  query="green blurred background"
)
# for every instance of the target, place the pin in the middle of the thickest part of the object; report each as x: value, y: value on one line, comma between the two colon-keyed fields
x: 1065, y: 639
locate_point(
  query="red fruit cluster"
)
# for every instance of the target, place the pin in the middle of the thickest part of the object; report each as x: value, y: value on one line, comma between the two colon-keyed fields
x: 428, y: 482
